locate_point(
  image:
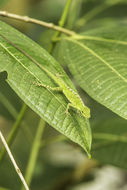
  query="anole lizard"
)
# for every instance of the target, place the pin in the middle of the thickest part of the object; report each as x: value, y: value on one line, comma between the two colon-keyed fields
x: 74, y: 99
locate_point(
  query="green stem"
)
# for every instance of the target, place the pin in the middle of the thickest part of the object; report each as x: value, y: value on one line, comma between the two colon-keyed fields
x: 49, y: 141
x: 65, y: 13
x: 8, y: 105
x: 14, y: 130
x: 34, y: 152
x: 103, y: 144
x: 110, y: 137
x: 61, y: 23
x: 83, y: 169
x: 107, y: 140
x: 14, y: 114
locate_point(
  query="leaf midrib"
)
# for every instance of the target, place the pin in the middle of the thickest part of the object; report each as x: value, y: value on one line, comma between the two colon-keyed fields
x: 85, y: 37
x: 98, y: 57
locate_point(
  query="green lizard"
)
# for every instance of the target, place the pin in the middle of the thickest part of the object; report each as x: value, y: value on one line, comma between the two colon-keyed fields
x: 74, y: 99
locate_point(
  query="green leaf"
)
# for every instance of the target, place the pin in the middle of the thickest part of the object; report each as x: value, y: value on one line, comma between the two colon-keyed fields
x: 110, y: 142
x: 98, y: 61
x: 23, y: 73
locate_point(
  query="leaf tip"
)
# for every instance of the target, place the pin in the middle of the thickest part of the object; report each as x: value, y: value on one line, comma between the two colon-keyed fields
x: 89, y: 156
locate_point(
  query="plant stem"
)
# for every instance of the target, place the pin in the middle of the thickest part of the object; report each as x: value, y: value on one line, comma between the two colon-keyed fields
x: 34, y: 152
x: 63, y: 17
x: 14, y: 114
x: 83, y: 169
x: 110, y: 137
x: 49, y: 141
x: 65, y: 13
x: 35, y: 21
x: 61, y: 24
x: 14, y: 130
x: 13, y: 161
x: 8, y: 105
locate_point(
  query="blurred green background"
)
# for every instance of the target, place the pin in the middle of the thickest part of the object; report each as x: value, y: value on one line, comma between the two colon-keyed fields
x: 60, y: 165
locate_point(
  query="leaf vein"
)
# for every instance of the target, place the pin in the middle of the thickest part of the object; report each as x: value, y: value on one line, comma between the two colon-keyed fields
x: 98, y: 57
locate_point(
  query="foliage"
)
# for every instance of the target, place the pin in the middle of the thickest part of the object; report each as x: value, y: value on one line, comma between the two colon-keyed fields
x: 94, y: 57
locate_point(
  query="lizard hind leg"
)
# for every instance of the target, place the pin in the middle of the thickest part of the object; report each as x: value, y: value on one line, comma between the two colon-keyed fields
x: 72, y: 106
x: 68, y: 106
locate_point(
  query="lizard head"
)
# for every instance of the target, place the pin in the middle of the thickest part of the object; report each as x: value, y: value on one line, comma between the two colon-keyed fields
x: 85, y: 112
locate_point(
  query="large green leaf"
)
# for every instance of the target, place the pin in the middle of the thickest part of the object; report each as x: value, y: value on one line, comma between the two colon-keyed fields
x: 98, y: 61
x: 23, y: 73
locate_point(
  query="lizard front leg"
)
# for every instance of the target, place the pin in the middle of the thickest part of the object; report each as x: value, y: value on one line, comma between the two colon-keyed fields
x: 59, y: 89
x: 68, y: 106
